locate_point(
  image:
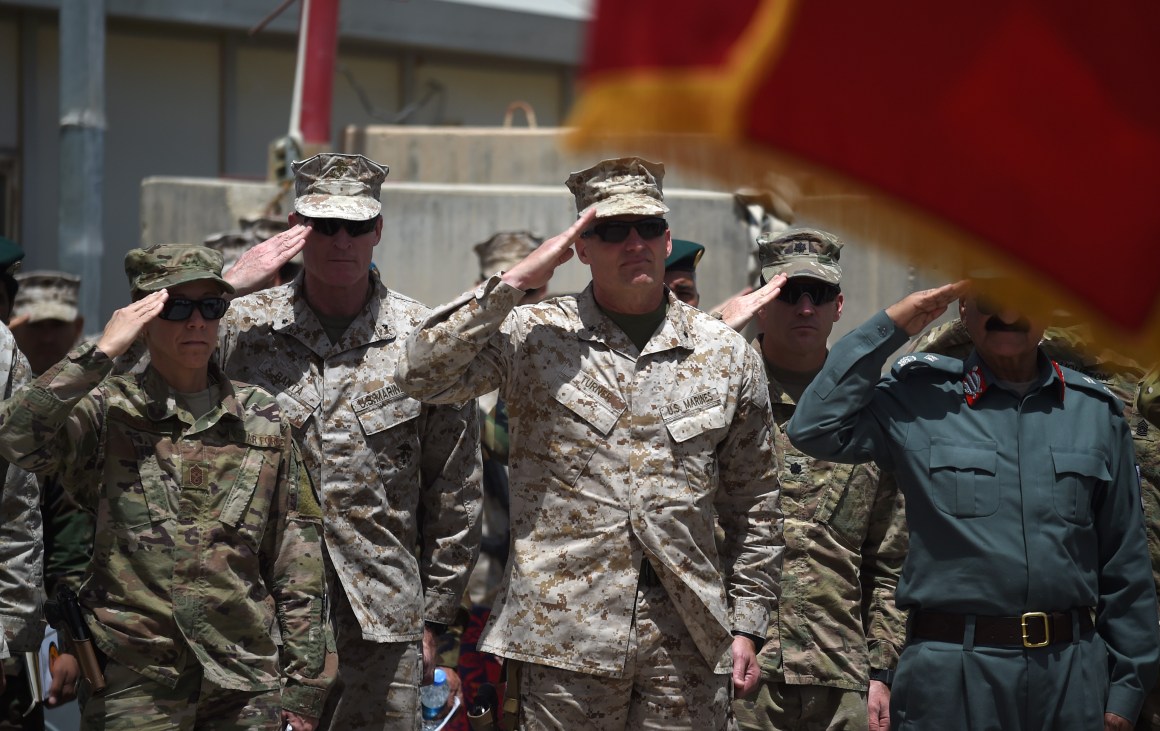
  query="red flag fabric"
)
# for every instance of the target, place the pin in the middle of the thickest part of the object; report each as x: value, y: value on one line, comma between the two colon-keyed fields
x: 1024, y: 135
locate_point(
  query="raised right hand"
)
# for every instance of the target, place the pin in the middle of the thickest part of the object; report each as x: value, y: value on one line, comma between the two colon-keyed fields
x: 255, y: 269
x: 126, y: 323
x: 918, y: 309
x: 535, y: 269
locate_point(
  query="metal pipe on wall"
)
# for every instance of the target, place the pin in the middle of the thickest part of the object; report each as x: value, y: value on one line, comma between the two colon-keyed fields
x: 82, y: 147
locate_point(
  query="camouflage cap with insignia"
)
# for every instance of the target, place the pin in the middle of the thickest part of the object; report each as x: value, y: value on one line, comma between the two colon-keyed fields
x: 801, y: 252
x: 504, y: 250
x: 45, y: 295
x: 330, y: 185
x: 168, y: 265
x: 623, y: 186
x: 10, y: 255
x: 685, y: 256
x: 1148, y: 398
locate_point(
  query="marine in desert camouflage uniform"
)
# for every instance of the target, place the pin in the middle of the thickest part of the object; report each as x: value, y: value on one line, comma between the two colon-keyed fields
x: 635, y: 421
x: 208, y: 531
x: 399, y: 480
x: 838, y: 633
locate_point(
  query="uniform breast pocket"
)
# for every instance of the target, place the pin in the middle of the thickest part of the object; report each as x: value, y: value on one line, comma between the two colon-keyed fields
x: 391, y: 432
x: 246, y: 507
x: 576, y: 430
x: 696, y: 436
x: 1078, y: 473
x: 962, y: 477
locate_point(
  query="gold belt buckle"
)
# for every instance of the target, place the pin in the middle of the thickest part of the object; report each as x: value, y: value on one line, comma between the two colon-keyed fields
x: 1042, y: 616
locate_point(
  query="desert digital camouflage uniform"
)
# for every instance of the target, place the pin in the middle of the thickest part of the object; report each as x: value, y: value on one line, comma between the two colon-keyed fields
x: 207, y: 528
x: 393, y: 473
x: 21, y: 555
x: 616, y: 457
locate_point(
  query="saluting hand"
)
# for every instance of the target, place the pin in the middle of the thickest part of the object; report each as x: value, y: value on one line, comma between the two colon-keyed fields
x: 255, y: 269
x: 535, y: 269
x: 126, y: 323
x: 739, y: 310
x: 918, y: 309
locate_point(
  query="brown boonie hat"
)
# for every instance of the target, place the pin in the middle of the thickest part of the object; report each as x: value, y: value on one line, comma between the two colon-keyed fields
x: 167, y: 265
x: 504, y: 250
x: 45, y: 295
x: 624, y: 186
x: 801, y: 252
x: 330, y: 185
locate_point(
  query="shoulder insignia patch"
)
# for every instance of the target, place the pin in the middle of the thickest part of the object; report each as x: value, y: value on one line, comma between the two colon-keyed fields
x: 909, y: 365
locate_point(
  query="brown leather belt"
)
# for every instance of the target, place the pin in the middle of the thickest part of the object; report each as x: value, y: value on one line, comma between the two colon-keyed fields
x: 648, y: 575
x: 1032, y: 629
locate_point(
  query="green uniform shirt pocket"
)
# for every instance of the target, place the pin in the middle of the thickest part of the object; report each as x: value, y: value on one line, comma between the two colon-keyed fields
x: 242, y: 491
x: 962, y: 477
x: 1077, y: 474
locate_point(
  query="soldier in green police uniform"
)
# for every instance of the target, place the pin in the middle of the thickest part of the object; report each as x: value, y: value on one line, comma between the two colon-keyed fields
x: 838, y: 633
x: 208, y: 530
x: 1025, y: 527
x: 681, y: 271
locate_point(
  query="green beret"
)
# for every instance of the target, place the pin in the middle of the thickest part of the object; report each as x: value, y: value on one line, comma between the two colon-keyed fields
x: 10, y: 256
x: 685, y: 257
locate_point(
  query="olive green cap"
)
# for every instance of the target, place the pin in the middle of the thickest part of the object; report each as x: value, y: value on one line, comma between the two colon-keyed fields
x: 800, y: 252
x: 168, y: 265
x: 10, y: 256
x: 685, y: 256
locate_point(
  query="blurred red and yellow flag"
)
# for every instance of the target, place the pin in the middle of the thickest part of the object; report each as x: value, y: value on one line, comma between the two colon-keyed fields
x: 1017, y: 136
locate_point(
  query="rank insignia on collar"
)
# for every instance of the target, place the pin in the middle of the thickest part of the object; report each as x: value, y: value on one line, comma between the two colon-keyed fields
x: 974, y: 384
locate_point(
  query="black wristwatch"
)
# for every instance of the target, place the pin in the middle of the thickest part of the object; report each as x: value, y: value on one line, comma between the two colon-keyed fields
x: 882, y: 676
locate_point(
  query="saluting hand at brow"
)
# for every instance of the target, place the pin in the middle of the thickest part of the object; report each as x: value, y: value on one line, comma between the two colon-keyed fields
x: 535, y: 269
x: 126, y: 323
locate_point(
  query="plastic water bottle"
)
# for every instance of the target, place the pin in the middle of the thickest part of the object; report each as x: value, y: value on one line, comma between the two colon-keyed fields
x: 432, y: 698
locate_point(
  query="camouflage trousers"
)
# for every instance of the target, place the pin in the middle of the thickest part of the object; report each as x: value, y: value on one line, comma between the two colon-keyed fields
x: 133, y: 702
x: 667, y: 685
x: 778, y: 706
x: 377, y: 687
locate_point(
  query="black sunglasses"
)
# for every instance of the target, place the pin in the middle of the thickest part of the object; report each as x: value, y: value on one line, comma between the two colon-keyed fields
x: 176, y: 309
x: 820, y: 292
x: 330, y: 226
x: 614, y: 232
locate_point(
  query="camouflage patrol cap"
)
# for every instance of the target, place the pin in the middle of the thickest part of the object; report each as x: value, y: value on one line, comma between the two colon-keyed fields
x: 624, y: 186
x: 504, y: 250
x: 800, y: 252
x: 45, y: 295
x: 1148, y: 399
x: 330, y: 185
x: 167, y: 265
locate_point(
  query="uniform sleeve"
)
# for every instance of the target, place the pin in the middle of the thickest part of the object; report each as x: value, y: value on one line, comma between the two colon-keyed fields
x: 21, y: 554
x: 748, y: 507
x: 462, y: 350
x: 883, y: 553
x: 293, y: 567
x: 55, y: 425
x: 1126, y: 614
x: 451, y: 474
x: 834, y: 419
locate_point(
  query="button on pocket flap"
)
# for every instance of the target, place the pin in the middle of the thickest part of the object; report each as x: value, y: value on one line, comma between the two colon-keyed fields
x: 978, y: 457
x: 238, y: 501
x: 298, y: 404
x: 1089, y: 463
x: 687, y: 426
x: 597, y: 405
x: 383, y: 415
